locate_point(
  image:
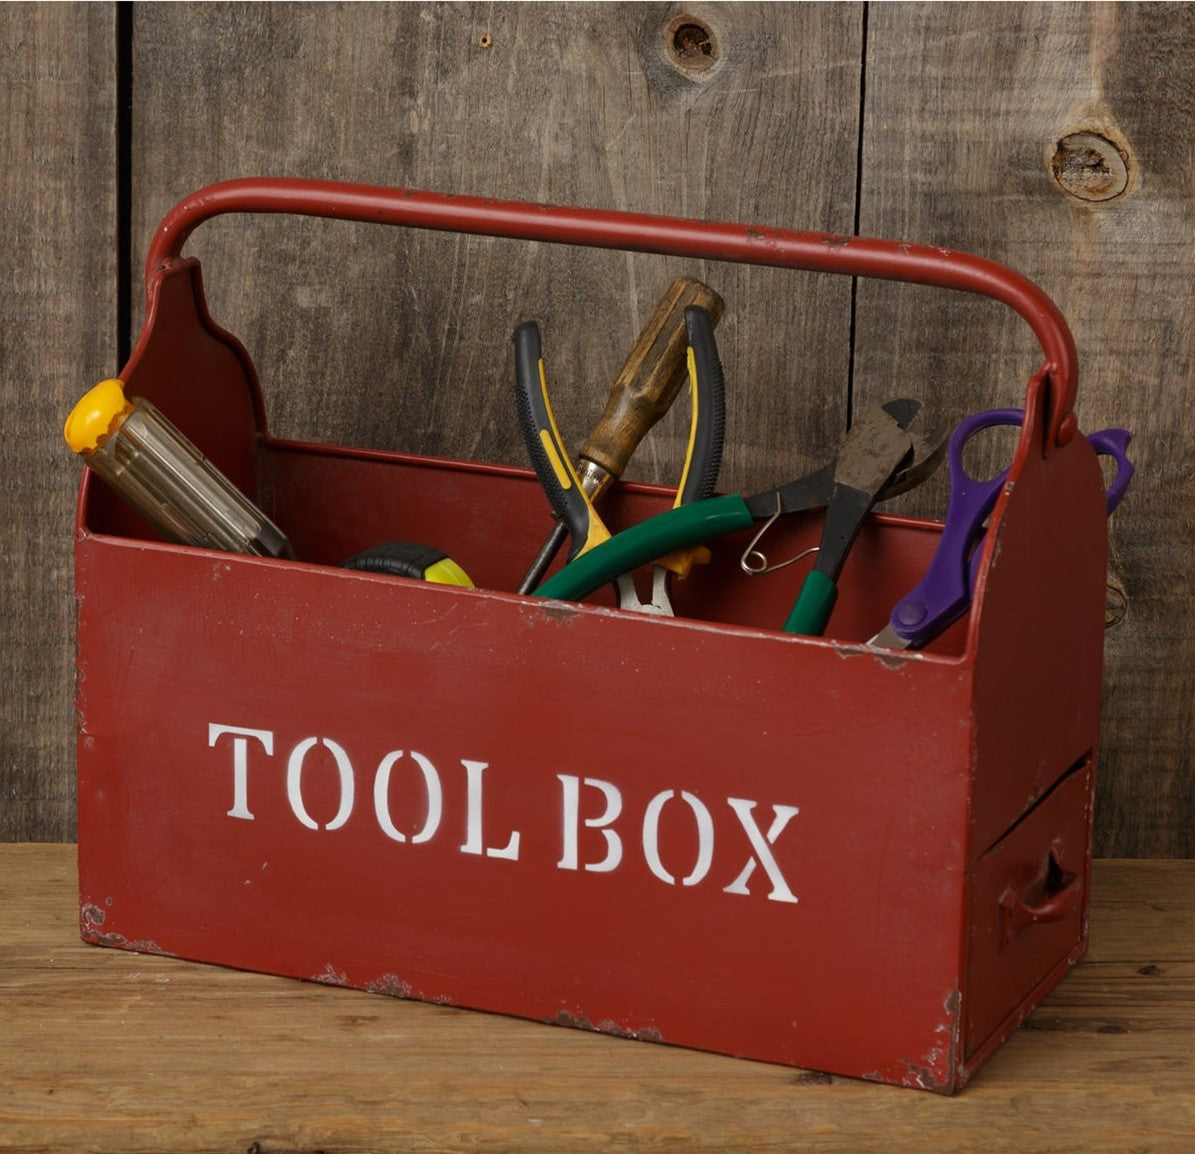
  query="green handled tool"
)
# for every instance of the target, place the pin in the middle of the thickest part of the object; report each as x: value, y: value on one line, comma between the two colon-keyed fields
x: 872, y: 451
x: 686, y: 525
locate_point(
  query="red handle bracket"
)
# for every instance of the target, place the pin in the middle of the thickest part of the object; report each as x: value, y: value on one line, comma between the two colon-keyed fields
x: 668, y: 236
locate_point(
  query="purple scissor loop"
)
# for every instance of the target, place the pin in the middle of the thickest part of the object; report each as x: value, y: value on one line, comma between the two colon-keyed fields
x: 944, y: 593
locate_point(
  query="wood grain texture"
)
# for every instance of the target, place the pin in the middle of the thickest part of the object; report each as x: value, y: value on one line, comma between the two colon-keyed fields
x: 112, y: 1051
x: 57, y: 326
x: 965, y: 107
x: 370, y: 336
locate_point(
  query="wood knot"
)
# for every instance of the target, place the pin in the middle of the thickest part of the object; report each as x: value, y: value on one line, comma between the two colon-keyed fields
x: 690, y: 44
x: 1090, y: 167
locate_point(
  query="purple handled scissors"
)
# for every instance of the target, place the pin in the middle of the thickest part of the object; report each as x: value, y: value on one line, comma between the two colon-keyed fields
x: 944, y: 593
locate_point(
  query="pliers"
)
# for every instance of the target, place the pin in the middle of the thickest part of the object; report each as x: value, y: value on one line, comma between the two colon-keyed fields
x: 553, y: 465
x: 873, y: 451
x: 885, y: 453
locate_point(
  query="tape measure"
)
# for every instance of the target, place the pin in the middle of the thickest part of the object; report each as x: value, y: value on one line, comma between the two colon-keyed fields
x: 407, y: 559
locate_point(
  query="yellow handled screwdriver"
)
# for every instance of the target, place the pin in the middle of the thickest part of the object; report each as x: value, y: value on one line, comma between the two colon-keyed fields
x: 160, y: 473
x: 649, y: 381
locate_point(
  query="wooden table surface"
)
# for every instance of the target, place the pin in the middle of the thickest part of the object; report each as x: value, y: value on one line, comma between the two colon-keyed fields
x: 103, y: 1050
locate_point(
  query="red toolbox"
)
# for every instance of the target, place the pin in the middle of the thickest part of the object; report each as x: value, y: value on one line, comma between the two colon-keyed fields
x: 697, y: 830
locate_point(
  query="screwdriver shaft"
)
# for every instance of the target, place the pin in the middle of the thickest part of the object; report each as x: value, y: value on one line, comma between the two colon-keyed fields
x: 594, y: 480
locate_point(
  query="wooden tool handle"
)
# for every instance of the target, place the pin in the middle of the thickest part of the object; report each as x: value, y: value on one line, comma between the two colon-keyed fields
x: 651, y: 377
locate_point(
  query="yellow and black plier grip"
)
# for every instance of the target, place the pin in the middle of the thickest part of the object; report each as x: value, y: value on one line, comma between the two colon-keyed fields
x: 707, y: 430
x: 553, y: 466
x: 550, y: 459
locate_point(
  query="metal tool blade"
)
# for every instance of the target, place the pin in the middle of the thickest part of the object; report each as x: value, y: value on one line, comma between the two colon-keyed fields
x: 872, y: 451
x: 929, y: 446
x: 876, y: 445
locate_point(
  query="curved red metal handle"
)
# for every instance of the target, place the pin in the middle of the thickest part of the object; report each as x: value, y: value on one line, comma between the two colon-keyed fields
x: 668, y: 236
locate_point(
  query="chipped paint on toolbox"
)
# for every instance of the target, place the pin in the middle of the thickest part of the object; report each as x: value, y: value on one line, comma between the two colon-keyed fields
x: 606, y: 1026
x: 331, y: 976
x: 390, y: 985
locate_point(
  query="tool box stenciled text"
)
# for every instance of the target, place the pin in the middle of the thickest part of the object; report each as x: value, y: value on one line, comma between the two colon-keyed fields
x: 584, y: 804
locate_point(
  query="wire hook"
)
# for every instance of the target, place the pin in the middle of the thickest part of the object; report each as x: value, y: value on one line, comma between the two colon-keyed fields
x: 754, y: 562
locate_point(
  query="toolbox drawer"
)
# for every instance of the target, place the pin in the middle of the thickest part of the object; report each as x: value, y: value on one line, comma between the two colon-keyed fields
x: 1029, y: 907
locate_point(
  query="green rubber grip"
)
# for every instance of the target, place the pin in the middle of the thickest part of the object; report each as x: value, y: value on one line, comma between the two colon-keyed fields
x: 814, y: 605
x: 679, y: 528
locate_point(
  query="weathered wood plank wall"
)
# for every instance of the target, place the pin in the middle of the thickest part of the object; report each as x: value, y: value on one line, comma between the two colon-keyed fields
x: 370, y: 336
x: 928, y: 122
x: 57, y: 321
x: 966, y: 107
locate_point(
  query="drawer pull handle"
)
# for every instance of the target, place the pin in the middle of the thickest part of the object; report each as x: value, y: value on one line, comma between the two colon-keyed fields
x: 1054, y: 895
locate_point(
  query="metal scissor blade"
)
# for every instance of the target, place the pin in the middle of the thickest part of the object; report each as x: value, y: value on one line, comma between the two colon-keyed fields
x: 888, y: 638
